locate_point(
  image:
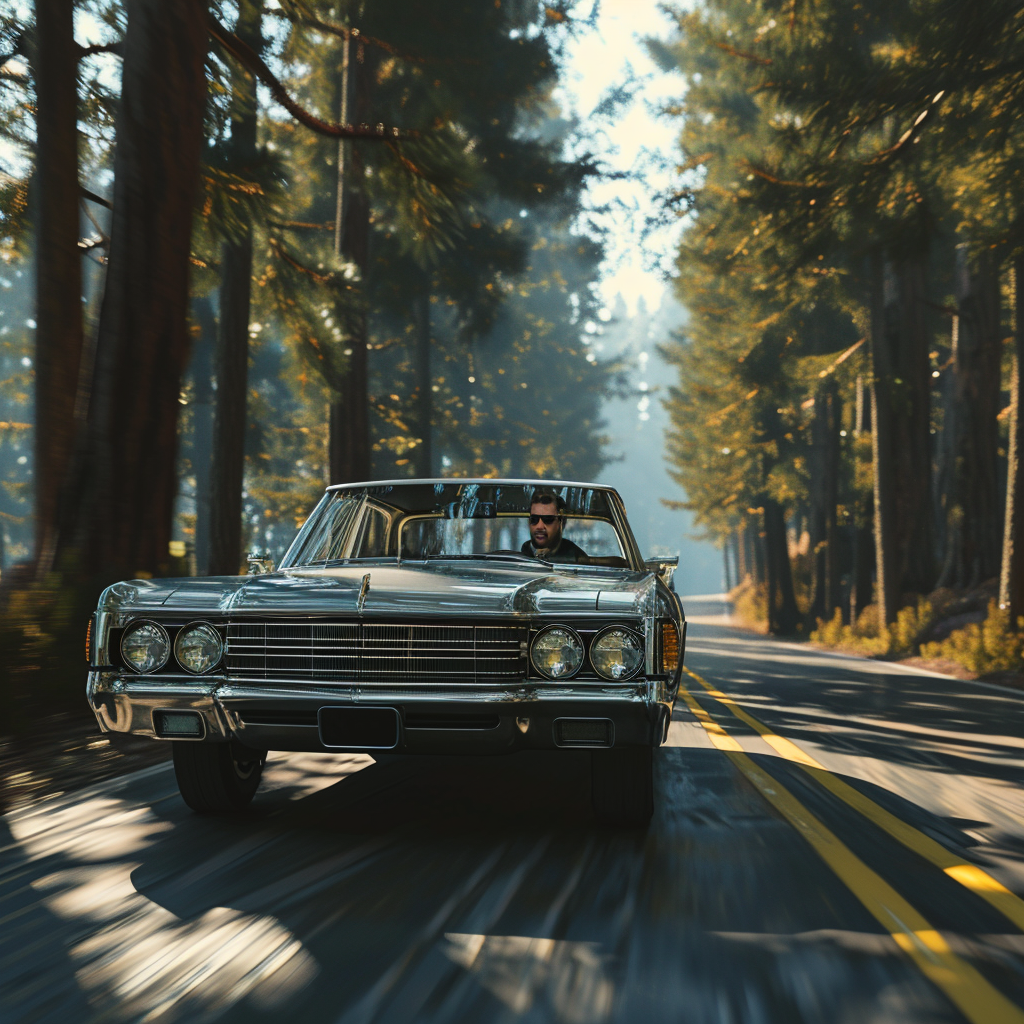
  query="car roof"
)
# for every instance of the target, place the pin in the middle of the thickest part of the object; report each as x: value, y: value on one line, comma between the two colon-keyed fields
x: 490, y: 480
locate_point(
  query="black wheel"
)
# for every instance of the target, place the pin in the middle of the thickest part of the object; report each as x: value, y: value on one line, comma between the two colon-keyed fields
x: 622, y: 785
x: 217, y: 776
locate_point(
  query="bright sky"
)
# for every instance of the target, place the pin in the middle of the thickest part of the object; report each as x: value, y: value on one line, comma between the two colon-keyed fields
x: 599, y: 61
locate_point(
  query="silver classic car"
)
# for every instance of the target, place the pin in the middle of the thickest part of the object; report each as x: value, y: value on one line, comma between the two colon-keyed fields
x: 408, y: 617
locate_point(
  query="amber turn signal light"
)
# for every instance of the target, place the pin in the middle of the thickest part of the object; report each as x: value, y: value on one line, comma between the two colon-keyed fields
x: 88, y: 642
x: 669, y: 647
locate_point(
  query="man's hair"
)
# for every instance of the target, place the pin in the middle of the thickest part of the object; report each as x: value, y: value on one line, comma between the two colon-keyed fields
x: 541, y: 497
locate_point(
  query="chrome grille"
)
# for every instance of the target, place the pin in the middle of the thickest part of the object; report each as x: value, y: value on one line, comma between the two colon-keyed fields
x: 375, y: 652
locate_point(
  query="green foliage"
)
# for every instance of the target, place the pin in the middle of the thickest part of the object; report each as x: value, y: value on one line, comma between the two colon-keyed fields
x: 750, y: 605
x: 983, y: 647
x: 819, y: 141
x: 42, y: 634
x: 869, y: 637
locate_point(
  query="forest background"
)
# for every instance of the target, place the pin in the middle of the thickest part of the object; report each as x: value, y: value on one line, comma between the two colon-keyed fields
x: 261, y: 245
x: 253, y: 247
x: 848, y: 420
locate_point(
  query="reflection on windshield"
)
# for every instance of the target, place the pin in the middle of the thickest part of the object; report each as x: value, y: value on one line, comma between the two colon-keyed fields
x: 453, y: 520
x: 434, y: 537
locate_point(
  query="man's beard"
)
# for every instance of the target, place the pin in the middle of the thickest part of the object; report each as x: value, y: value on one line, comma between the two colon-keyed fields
x: 550, y: 547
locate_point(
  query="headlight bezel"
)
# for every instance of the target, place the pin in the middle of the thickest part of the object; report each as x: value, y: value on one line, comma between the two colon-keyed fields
x: 641, y: 649
x: 130, y: 630
x: 544, y: 631
x: 184, y: 631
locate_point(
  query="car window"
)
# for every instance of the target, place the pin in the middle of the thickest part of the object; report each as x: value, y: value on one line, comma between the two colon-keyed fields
x: 439, y: 518
x: 373, y: 535
x: 429, y: 538
x: 327, y: 532
x: 596, y: 537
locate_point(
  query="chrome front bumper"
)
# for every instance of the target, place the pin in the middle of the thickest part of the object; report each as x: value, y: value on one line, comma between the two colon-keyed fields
x: 525, y: 711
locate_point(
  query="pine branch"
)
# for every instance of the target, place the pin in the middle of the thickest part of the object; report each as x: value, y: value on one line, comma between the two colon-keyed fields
x: 301, y: 225
x: 255, y: 64
x: 116, y: 47
x: 18, y: 50
x: 912, y: 133
x: 280, y: 252
x: 307, y: 17
x: 93, y: 198
x: 742, y: 54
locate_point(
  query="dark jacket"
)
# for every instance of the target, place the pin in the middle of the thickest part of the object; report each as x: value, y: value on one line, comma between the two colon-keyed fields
x: 565, y: 552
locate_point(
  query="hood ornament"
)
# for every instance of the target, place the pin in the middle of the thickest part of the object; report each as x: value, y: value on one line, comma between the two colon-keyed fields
x: 364, y: 589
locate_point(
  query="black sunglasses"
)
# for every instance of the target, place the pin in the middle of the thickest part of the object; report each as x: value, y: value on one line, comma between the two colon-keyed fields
x: 546, y: 520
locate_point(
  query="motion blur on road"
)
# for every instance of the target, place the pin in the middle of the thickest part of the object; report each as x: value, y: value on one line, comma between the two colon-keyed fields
x: 475, y: 891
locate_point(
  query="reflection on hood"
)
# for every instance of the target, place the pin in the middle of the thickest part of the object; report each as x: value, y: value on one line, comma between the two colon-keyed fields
x: 442, y: 589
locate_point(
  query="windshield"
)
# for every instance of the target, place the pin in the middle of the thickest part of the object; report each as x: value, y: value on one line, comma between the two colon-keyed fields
x: 419, y: 521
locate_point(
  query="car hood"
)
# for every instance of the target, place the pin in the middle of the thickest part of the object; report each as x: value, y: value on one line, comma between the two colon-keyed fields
x: 442, y: 589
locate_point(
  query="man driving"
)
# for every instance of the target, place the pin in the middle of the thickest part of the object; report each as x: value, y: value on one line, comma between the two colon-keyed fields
x: 547, y: 517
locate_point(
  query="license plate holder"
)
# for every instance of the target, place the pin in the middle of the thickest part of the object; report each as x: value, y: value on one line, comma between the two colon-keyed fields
x: 350, y: 728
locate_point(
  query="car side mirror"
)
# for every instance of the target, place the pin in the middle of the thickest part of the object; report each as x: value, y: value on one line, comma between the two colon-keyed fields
x: 259, y: 564
x: 664, y: 567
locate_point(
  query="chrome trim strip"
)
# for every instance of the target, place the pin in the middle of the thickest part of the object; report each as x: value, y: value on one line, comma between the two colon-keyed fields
x: 101, y: 638
x: 636, y: 691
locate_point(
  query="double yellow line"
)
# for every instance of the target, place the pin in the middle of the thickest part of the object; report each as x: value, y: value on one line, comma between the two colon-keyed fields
x: 976, y: 998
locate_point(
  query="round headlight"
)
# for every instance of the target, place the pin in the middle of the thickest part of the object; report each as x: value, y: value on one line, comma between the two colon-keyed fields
x: 145, y: 647
x: 616, y: 654
x: 198, y: 648
x: 557, y: 652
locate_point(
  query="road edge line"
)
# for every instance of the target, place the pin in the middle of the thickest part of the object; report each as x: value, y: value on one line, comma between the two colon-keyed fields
x: 975, y: 997
x: 972, y: 877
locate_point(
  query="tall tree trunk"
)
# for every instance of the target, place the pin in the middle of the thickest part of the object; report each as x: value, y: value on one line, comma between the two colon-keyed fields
x: 945, y: 481
x: 911, y: 429
x: 202, y: 425
x: 782, y: 610
x: 742, y: 565
x: 861, y: 543
x: 424, y: 383
x: 887, y: 592
x: 59, y: 333
x: 232, y: 357
x: 755, y: 539
x: 825, y: 498
x: 349, y: 428
x: 127, y: 476
x: 972, y: 543
x: 830, y: 488
x: 1011, y: 580
x: 349, y: 444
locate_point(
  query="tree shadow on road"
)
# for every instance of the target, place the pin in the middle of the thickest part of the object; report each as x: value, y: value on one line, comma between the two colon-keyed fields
x: 864, y: 708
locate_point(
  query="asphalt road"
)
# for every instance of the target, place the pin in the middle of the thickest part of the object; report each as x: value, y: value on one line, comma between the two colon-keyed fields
x: 843, y: 843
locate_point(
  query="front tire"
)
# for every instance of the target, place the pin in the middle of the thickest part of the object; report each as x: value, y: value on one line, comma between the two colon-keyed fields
x: 622, y: 785
x: 216, y: 777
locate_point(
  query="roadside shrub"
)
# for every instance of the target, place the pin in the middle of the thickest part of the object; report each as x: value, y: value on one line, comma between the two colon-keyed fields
x: 830, y: 633
x: 750, y: 605
x: 42, y: 634
x: 867, y: 637
x: 911, y: 623
x: 983, y: 647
